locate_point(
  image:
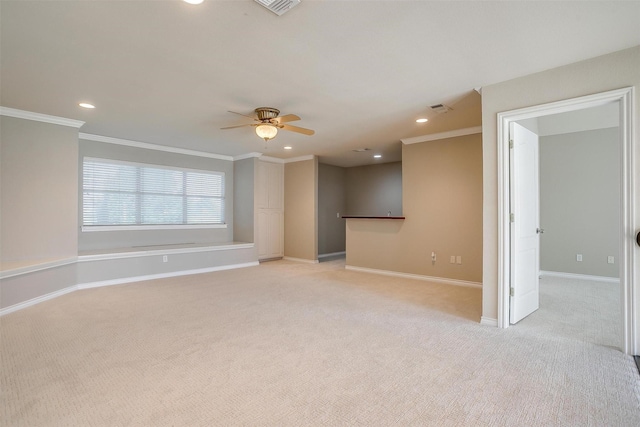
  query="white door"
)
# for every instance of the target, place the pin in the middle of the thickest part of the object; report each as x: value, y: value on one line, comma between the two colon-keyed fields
x: 525, y: 238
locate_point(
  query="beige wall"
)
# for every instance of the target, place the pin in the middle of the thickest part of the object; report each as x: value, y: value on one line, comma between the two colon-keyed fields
x: 244, y: 186
x: 442, y: 203
x: 39, y: 191
x: 609, y: 72
x: 301, y: 209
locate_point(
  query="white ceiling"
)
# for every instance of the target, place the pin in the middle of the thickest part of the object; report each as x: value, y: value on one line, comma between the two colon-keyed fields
x: 358, y: 72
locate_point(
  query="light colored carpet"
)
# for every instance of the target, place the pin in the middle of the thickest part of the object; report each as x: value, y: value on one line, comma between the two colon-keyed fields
x: 291, y: 344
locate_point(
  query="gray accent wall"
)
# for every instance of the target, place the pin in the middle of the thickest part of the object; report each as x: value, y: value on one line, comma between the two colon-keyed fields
x: 332, y: 203
x: 374, y: 189
x: 580, y: 202
x: 244, y: 184
x: 122, y: 239
x: 39, y: 199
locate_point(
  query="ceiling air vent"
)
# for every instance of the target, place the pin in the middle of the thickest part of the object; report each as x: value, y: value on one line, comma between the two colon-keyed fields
x: 440, y: 108
x: 279, y: 7
x: 361, y: 150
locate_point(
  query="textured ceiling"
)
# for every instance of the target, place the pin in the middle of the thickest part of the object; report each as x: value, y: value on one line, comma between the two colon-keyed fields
x: 358, y: 72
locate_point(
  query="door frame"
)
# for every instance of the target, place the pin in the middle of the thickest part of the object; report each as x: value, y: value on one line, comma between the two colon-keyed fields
x: 628, y: 287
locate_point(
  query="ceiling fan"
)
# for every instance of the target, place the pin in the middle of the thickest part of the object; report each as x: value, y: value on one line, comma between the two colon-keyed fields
x: 269, y: 121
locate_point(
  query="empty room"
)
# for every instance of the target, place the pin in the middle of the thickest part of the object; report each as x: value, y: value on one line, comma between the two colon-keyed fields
x: 319, y: 213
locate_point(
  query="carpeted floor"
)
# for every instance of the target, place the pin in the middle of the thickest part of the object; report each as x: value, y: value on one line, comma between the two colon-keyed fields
x: 292, y: 344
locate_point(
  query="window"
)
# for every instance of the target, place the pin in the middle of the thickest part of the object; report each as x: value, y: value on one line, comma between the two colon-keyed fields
x: 123, y: 195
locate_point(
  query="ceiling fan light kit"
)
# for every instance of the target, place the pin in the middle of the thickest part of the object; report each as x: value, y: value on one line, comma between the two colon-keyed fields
x: 269, y: 121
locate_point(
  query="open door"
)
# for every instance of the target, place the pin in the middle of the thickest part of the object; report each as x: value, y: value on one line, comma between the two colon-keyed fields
x: 525, y: 223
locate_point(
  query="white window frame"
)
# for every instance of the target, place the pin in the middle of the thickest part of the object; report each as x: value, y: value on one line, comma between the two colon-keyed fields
x: 133, y: 227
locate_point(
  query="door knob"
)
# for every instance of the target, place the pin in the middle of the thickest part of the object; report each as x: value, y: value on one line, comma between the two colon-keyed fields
x: 540, y: 230
x: 638, y: 238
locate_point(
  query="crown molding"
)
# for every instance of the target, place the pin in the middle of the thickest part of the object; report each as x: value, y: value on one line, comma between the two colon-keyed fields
x: 442, y: 135
x: 247, y: 156
x: 271, y: 159
x: 37, y: 117
x: 148, y: 146
x: 300, y: 159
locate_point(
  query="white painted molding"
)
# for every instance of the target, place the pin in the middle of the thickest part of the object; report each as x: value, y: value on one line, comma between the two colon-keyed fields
x: 332, y: 254
x: 247, y: 156
x: 299, y: 159
x: 36, y: 267
x: 99, y: 228
x: 580, y: 276
x: 442, y: 280
x: 488, y: 321
x: 165, y: 275
x: 160, y: 252
x: 28, y: 115
x: 37, y: 300
x: 149, y: 146
x: 442, y: 135
x: 271, y: 159
x: 306, y: 261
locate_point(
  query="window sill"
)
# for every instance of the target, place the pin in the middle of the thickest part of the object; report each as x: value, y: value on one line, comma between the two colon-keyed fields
x: 94, y: 228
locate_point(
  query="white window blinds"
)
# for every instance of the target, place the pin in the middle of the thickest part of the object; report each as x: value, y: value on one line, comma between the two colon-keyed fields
x: 117, y: 193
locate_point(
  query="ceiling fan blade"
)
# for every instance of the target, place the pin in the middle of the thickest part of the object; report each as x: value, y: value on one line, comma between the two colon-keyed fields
x: 239, y: 126
x: 243, y: 115
x: 287, y: 118
x: 297, y: 129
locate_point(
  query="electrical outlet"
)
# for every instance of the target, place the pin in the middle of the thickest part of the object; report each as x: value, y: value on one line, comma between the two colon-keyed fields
x: 338, y: 215
x: 458, y: 259
x: 452, y: 260
x: 433, y: 256
x: 610, y: 260
x: 165, y: 258
x: 579, y: 257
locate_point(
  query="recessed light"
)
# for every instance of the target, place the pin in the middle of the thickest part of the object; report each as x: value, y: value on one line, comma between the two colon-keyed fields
x: 86, y: 105
x: 193, y: 1
x: 288, y: 148
x: 423, y: 120
x: 377, y: 156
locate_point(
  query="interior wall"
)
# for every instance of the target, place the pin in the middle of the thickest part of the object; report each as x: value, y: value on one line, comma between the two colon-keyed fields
x: 122, y: 239
x: 442, y: 203
x: 301, y: 209
x: 38, y: 186
x: 601, y: 74
x: 580, y: 202
x: 374, y: 189
x: 244, y: 176
x: 331, y: 206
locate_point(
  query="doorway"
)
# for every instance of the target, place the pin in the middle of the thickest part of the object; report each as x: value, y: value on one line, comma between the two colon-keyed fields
x: 506, y: 260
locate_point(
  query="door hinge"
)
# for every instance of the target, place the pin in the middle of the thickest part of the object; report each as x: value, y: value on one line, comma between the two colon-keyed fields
x: 512, y: 292
x: 511, y: 143
x: 512, y: 217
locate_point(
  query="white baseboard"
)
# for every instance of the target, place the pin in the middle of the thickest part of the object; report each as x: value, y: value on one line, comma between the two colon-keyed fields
x: 37, y: 300
x: 332, y: 254
x: 580, y: 276
x: 122, y: 281
x: 308, y: 261
x: 488, y: 321
x: 164, y: 275
x: 443, y: 280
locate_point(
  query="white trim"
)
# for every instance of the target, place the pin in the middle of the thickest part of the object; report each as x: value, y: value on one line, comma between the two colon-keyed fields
x: 164, y: 275
x: 37, y: 300
x: 442, y: 280
x: 442, y: 135
x: 149, y: 146
x: 28, y: 115
x: 138, y: 227
x: 271, y: 159
x: 36, y: 267
x: 580, y: 276
x: 156, y: 252
x: 629, y: 288
x: 247, y: 156
x: 332, y: 254
x: 299, y: 159
x: 307, y: 261
x: 488, y: 321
